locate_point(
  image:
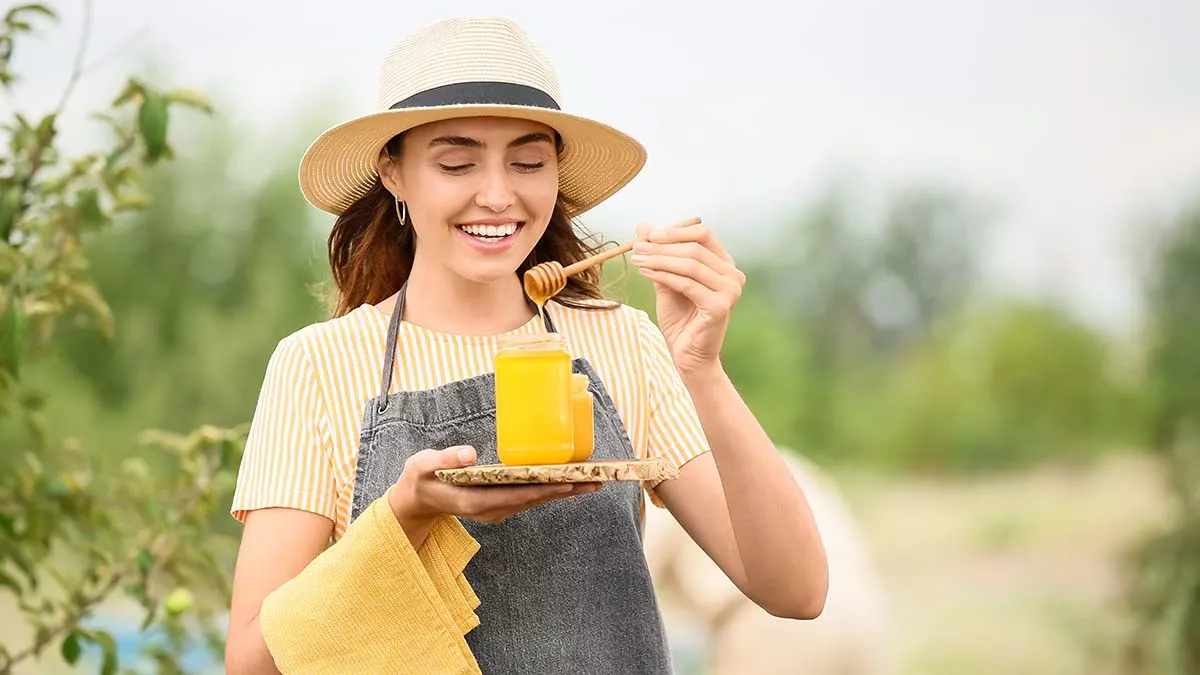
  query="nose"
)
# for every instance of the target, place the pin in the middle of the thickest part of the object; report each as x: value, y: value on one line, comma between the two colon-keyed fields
x: 495, y: 193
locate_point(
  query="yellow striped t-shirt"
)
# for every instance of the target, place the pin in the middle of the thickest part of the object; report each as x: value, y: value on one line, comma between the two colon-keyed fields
x: 303, y: 440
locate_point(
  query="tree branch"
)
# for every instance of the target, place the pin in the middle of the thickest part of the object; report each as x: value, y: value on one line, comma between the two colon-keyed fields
x: 162, y: 547
x: 80, y: 53
x: 71, y: 620
x: 35, y: 157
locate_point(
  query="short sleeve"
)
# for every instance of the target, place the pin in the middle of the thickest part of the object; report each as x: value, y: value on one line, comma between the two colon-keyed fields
x: 673, y: 428
x: 286, y: 462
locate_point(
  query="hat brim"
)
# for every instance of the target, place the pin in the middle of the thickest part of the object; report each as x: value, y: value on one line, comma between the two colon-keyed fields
x: 340, y: 166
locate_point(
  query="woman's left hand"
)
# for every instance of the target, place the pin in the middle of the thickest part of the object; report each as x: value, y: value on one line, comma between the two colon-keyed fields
x: 696, y: 286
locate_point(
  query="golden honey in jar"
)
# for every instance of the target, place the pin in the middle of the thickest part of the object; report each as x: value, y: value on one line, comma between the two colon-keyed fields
x: 534, y: 423
x: 581, y: 412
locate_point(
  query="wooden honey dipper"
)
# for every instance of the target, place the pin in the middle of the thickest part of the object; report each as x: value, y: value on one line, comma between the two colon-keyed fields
x: 546, y: 280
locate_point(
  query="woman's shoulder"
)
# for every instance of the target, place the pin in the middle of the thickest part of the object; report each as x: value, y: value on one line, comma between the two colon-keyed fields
x: 340, y: 333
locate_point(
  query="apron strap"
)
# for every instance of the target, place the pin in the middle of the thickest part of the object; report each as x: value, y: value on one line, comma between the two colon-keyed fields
x: 389, y: 348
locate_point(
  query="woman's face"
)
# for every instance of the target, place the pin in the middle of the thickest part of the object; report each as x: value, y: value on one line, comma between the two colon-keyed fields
x: 479, y: 192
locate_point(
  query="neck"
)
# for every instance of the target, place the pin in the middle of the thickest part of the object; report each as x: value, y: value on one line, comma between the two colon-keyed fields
x: 442, y: 301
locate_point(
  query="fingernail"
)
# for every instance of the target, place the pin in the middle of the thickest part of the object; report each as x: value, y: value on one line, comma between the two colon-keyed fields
x: 657, y: 235
x: 641, y: 247
x: 464, y: 455
x: 639, y: 259
x: 646, y: 271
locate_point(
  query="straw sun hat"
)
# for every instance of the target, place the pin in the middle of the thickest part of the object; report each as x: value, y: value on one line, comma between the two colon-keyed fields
x: 467, y: 67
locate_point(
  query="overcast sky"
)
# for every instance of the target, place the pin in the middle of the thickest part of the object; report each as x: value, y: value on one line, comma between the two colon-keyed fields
x: 1079, y: 116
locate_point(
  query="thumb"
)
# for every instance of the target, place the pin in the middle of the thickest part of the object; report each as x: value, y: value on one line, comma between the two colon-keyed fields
x: 456, y: 456
x: 430, y: 460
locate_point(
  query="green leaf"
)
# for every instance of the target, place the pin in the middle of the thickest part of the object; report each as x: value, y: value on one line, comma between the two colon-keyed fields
x: 87, y: 294
x: 109, y: 646
x: 145, y: 560
x: 230, y: 453
x: 54, y: 186
x: 53, y: 485
x: 190, y: 98
x: 20, y: 558
x: 132, y: 200
x: 132, y: 91
x: 31, y: 8
x: 152, y: 122
x: 83, y: 165
x: 10, y: 583
x: 151, y: 615
x: 117, y: 178
x: 10, y: 202
x: 71, y: 649
x: 92, y: 215
x: 14, y: 330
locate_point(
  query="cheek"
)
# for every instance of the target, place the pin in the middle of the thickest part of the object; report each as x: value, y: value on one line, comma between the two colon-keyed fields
x: 438, y: 201
x: 541, y: 193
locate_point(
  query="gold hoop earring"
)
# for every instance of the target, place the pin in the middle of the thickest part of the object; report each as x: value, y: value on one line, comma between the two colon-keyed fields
x: 401, y: 211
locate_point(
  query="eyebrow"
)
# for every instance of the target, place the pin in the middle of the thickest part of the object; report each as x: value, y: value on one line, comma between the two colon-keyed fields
x: 467, y: 142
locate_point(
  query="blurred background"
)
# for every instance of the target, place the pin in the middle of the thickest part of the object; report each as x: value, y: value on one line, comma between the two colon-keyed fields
x: 972, y: 237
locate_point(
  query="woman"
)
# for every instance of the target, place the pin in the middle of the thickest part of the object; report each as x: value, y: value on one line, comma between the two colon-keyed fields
x: 467, y: 175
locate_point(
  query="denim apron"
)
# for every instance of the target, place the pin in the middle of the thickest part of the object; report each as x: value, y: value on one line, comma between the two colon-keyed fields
x: 563, y: 586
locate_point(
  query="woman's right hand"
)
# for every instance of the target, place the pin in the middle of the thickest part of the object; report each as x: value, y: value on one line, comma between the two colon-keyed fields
x: 419, y: 496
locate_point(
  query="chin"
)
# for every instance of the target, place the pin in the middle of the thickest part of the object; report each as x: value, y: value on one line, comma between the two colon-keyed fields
x: 488, y: 272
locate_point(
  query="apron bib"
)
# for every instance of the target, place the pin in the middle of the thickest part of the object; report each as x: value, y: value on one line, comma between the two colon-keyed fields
x: 563, y: 586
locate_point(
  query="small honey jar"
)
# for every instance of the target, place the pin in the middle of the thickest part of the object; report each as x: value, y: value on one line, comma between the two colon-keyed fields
x: 581, y: 412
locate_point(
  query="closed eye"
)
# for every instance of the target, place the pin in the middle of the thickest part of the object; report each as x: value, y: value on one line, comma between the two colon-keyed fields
x: 521, y: 166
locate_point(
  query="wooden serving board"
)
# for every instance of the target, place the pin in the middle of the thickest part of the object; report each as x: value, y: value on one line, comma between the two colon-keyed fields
x: 596, y: 471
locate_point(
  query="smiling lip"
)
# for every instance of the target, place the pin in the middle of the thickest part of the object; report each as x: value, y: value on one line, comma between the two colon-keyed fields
x: 493, y: 221
x: 490, y: 245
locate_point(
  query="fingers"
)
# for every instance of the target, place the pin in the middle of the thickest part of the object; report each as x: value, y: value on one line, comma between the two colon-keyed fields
x: 698, y: 233
x: 488, y: 498
x: 493, y: 509
x: 701, y: 296
x: 690, y: 268
x: 695, y: 242
x: 426, y: 462
x: 688, y: 259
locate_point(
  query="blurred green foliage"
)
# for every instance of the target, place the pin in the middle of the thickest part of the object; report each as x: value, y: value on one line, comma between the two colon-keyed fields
x: 1166, y: 593
x: 77, y: 532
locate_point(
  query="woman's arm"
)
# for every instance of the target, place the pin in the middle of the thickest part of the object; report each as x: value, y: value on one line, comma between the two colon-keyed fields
x: 377, y: 601
x: 742, y: 505
x: 277, y: 544
x: 739, y: 502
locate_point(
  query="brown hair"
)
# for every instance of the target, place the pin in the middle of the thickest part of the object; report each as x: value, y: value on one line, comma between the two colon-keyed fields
x: 371, y: 251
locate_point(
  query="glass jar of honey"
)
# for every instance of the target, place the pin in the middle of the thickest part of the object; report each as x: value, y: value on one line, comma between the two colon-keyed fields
x: 534, y: 422
x: 581, y: 411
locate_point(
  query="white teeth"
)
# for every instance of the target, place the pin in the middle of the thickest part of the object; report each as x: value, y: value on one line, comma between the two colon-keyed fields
x: 490, y: 230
